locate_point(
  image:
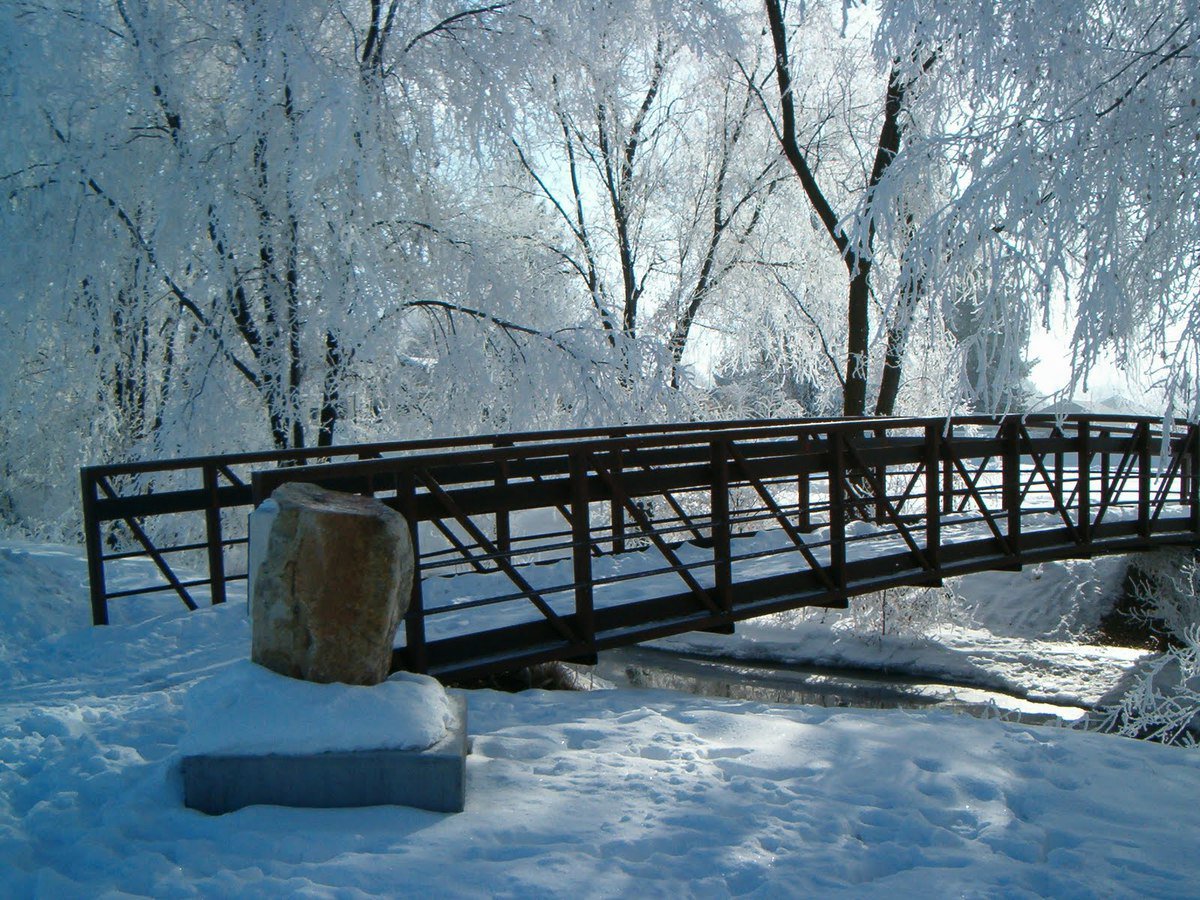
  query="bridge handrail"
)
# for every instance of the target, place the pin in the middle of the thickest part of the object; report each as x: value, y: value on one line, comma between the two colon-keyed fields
x: 304, y: 454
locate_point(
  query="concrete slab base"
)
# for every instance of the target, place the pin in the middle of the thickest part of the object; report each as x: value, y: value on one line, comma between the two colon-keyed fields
x: 433, y: 779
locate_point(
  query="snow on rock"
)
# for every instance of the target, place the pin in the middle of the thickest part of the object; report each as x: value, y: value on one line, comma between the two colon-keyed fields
x: 247, y: 709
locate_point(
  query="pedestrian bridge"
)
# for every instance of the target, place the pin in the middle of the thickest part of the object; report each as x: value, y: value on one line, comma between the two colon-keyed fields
x: 554, y: 546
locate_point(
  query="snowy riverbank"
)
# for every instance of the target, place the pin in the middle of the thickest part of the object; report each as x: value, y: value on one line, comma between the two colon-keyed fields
x: 634, y: 793
x: 1028, y: 634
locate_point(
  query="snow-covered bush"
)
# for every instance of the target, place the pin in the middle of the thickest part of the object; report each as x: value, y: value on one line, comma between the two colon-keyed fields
x: 1164, y: 702
x: 902, y: 611
x: 1168, y: 594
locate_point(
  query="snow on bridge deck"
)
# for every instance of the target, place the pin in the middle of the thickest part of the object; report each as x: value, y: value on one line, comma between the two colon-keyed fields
x: 472, y: 602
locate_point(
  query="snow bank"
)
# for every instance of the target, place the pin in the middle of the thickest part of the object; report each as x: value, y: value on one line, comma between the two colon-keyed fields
x: 41, y: 587
x: 611, y: 793
x: 248, y: 709
x: 1024, y: 633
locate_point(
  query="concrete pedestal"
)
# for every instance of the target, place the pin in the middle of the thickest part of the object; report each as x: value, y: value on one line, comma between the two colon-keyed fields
x: 433, y: 779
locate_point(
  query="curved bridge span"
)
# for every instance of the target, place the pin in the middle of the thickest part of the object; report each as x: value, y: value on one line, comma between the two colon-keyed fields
x: 536, y: 547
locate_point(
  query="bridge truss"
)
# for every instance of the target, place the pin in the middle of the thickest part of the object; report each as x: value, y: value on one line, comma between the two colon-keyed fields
x: 543, y: 546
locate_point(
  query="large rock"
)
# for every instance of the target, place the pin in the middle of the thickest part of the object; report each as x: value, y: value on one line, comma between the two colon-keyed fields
x: 331, y: 586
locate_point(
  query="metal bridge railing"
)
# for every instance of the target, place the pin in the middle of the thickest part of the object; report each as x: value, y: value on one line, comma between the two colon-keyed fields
x: 563, y: 544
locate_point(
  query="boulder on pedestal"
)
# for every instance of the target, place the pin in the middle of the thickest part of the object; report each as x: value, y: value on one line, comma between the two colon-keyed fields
x: 331, y: 586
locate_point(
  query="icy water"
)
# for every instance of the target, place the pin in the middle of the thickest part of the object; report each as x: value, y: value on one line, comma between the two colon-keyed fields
x: 765, y: 682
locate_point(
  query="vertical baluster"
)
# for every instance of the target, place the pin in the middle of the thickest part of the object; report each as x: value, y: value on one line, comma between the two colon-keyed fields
x: 1084, y: 480
x: 803, y: 494
x: 581, y: 546
x: 722, y: 541
x: 837, y: 510
x: 948, y: 473
x: 933, y: 516
x: 881, y: 480
x: 212, y: 528
x: 1011, y: 491
x: 1105, y: 465
x: 1185, y: 467
x: 414, y: 619
x: 1143, y: 448
x: 503, y: 523
x: 1194, y: 481
x: 616, y: 511
x: 1059, y: 434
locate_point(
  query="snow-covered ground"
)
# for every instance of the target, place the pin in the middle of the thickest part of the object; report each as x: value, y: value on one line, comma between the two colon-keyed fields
x: 633, y: 793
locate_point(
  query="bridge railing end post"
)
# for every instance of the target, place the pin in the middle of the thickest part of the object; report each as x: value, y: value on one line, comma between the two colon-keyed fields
x: 94, y: 543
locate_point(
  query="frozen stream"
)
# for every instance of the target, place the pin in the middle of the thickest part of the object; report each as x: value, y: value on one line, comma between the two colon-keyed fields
x: 814, y: 685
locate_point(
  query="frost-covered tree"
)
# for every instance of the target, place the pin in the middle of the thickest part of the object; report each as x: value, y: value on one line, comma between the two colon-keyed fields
x: 1070, y: 130
x: 1033, y: 158
x: 649, y: 161
x: 235, y: 224
x: 841, y: 150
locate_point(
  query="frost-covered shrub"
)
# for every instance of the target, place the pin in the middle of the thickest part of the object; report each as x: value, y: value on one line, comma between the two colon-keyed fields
x: 1168, y: 594
x: 903, y: 611
x: 1164, y: 702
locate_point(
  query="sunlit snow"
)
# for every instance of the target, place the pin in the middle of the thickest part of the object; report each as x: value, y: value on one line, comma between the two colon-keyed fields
x: 623, y: 792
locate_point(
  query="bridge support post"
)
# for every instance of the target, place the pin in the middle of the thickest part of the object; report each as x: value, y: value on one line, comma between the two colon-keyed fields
x: 933, y: 514
x: 1010, y: 430
x: 581, y: 548
x: 721, y: 540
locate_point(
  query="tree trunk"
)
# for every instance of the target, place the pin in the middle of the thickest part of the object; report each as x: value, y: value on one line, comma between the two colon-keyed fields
x: 329, y: 391
x: 854, y: 397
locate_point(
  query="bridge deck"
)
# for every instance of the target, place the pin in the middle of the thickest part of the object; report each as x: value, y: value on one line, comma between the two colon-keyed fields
x: 630, y: 588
